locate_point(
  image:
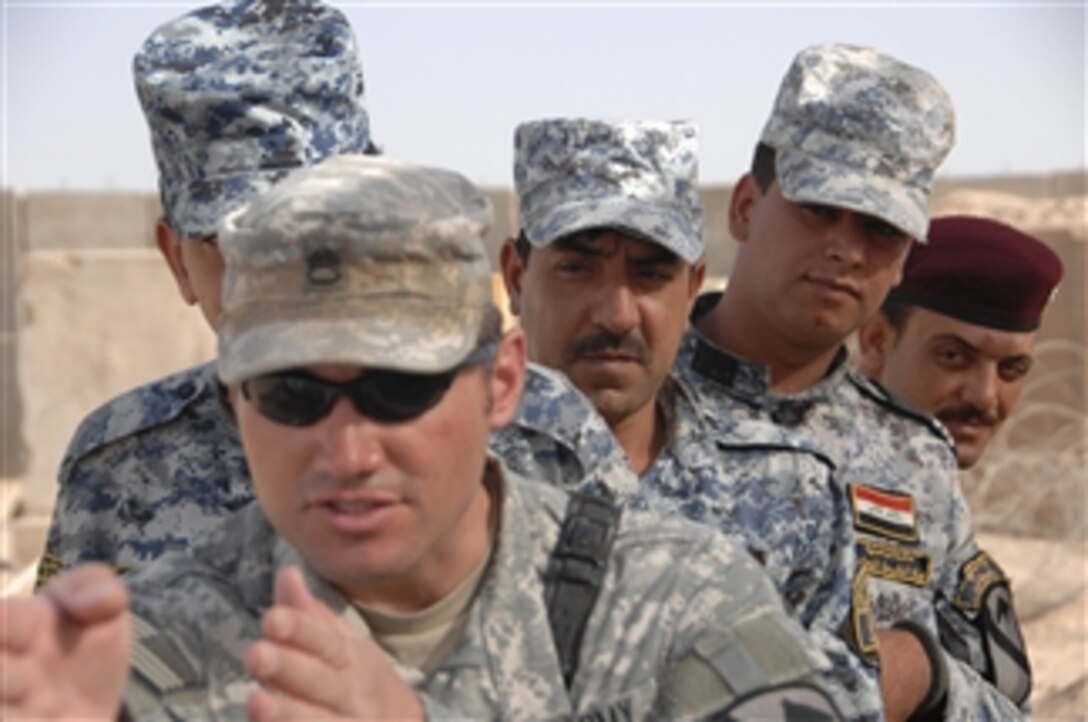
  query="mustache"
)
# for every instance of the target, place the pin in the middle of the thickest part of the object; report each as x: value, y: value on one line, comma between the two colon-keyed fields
x: 625, y: 343
x: 967, y: 414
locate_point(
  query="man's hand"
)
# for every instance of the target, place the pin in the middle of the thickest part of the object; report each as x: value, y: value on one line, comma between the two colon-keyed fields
x: 311, y: 665
x: 905, y: 673
x: 65, y: 652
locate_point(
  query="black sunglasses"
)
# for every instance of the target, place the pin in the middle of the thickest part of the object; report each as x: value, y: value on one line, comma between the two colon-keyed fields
x: 298, y: 398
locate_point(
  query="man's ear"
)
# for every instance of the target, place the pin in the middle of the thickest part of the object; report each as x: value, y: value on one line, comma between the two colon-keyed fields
x: 741, y: 204
x: 507, y: 378
x: 169, y: 243
x: 876, y: 337
x: 695, y: 281
x: 512, y: 270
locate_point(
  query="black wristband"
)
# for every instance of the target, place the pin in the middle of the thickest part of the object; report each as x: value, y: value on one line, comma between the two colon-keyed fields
x: 932, y: 706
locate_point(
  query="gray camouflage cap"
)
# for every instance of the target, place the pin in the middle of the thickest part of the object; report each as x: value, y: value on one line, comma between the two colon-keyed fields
x: 357, y: 260
x: 857, y: 129
x: 238, y: 93
x: 641, y: 178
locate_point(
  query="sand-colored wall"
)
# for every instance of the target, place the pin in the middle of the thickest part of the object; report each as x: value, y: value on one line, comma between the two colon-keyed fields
x: 90, y: 310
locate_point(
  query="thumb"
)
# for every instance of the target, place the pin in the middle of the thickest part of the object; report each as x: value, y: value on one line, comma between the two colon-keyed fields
x: 89, y: 594
x: 291, y: 591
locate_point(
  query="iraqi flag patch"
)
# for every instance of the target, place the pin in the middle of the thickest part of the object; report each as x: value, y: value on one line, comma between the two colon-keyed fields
x: 884, y: 513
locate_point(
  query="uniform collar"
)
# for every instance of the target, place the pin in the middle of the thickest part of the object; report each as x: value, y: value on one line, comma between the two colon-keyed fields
x: 711, y: 369
x: 508, y: 621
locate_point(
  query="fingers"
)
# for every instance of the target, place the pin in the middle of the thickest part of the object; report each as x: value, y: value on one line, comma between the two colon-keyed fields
x: 22, y: 621
x: 295, y: 674
x: 301, y: 621
x: 266, y: 706
x: 291, y: 590
x: 17, y: 676
x: 88, y: 594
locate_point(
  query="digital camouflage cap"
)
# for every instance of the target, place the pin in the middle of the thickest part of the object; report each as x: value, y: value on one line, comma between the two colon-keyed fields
x: 238, y: 93
x: 639, y: 177
x: 357, y: 260
x: 858, y: 129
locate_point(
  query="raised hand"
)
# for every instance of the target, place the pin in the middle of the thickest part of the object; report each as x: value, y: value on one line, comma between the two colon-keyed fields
x: 312, y: 665
x: 65, y: 652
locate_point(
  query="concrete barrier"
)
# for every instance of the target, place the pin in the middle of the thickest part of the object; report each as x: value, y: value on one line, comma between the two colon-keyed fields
x: 93, y: 323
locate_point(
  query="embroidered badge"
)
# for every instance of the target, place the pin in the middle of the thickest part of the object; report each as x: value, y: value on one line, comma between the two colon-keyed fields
x: 976, y: 577
x: 323, y: 267
x: 884, y: 513
x: 893, y: 562
x: 861, y: 633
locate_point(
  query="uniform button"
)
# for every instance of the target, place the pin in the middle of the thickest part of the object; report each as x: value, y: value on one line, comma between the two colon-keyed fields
x: 790, y: 414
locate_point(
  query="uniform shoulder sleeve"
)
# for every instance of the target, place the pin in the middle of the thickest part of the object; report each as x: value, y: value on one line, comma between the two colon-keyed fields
x: 558, y: 436
x: 144, y: 407
x: 734, y: 640
x: 894, y: 404
x: 191, y: 627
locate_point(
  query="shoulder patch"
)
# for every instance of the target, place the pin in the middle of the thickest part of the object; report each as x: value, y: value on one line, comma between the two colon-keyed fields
x: 895, y: 563
x: 977, y: 576
x: 787, y: 703
x: 885, y: 398
x: 141, y: 408
x: 885, y: 513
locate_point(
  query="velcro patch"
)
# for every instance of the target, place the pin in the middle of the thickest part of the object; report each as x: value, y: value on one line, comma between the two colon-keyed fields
x: 976, y: 577
x: 789, y: 703
x: 893, y: 562
x: 885, y: 513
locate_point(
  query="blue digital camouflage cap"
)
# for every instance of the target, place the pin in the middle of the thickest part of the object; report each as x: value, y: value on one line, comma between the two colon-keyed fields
x: 357, y: 260
x: 857, y: 129
x: 639, y: 177
x: 239, y: 92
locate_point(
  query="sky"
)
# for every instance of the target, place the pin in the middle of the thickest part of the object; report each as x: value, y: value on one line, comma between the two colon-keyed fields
x: 448, y: 82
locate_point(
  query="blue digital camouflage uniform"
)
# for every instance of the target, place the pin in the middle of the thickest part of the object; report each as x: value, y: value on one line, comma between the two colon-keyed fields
x: 852, y: 128
x: 685, y: 625
x: 770, y: 494
x: 147, y: 473
x: 235, y: 94
x: 915, y: 544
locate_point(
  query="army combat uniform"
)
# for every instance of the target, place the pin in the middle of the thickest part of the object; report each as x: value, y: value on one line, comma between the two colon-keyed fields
x: 767, y: 493
x: 685, y: 625
x: 916, y: 555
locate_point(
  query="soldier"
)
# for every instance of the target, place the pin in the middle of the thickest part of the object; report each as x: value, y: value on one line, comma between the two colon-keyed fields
x: 235, y: 95
x: 603, y: 276
x: 392, y: 566
x: 836, y: 194
x: 956, y: 337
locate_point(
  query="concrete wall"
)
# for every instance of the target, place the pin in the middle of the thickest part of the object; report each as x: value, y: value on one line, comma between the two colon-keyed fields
x: 89, y: 309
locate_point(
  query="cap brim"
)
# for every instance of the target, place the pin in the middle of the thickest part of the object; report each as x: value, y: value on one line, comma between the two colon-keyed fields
x: 803, y: 178
x: 655, y: 223
x: 403, y: 335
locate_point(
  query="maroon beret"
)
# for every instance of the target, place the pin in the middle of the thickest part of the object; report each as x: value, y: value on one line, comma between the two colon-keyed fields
x: 982, y: 272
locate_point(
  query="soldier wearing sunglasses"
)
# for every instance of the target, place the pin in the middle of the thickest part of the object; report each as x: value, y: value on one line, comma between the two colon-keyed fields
x: 392, y: 565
